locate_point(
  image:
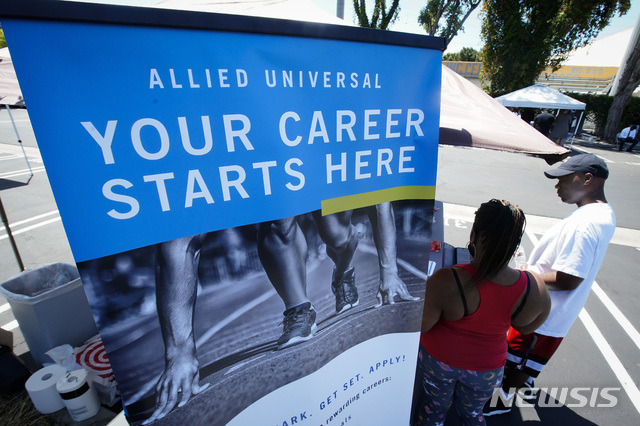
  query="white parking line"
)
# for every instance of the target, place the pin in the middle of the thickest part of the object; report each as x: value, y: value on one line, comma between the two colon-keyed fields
x: 11, y: 173
x: 31, y: 219
x: 10, y: 326
x: 4, y: 307
x: 15, y: 120
x: 23, y: 172
x: 10, y: 157
x: 29, y: 228
x: 617, y: 314
x: 614, y: 362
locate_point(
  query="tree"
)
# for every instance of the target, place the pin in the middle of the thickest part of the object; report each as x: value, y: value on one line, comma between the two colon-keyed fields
x: 381, y: 18
x: 3, y: 43
x: 523, y: 37
x: 468, y: 54
x: 453, y: 12
x: 628, y: 82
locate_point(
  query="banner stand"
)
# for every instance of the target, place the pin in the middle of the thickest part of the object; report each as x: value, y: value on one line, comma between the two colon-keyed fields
x: 249, y: 202
x: 20, y: 142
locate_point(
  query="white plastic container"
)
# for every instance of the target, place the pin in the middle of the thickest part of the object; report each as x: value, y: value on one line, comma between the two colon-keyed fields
x: 51, y: 308
x: 78, y: 396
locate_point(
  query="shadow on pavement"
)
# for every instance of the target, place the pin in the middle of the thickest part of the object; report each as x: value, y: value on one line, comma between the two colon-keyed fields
x: 10, y: 184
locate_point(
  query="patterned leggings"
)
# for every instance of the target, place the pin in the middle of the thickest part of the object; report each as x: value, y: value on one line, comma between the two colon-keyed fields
x: 469, y: 390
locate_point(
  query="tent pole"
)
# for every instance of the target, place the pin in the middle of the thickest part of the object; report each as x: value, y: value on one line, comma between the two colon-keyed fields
x: 5, y: 221
x: 15, y: 129
x: 576, y: 129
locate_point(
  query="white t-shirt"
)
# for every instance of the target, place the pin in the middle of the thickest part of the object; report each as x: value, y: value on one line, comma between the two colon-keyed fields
x: 576, y: 246
x: 628, y: 133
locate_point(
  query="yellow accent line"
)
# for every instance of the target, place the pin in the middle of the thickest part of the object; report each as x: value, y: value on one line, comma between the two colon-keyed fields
x: 350, y: 202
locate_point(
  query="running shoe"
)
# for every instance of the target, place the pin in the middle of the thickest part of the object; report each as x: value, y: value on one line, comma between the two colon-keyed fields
x: 345, y: 290
x: 500, y: 403
x: 299, y: 324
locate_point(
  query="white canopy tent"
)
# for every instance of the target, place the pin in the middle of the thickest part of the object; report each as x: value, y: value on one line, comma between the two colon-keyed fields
x: 540, y: 96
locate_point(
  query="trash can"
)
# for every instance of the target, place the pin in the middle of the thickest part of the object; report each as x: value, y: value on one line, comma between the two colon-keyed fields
x: 51, y: 308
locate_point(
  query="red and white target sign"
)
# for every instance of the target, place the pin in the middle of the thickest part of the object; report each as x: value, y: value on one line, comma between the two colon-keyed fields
x: 94, y: 358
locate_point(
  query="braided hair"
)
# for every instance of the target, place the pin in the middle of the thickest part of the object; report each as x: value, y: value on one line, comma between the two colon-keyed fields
x: 499, y: 225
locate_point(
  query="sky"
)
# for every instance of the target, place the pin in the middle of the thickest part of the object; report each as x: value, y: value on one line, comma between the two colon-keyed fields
x: 410, y: 9
x: 408, y: 20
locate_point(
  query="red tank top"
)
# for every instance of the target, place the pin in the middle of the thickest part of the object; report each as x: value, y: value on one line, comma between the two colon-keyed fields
x: 478, y: 341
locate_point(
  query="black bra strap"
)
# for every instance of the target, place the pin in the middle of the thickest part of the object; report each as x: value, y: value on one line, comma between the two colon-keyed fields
x: 464, y: 300
x: 524, y: 299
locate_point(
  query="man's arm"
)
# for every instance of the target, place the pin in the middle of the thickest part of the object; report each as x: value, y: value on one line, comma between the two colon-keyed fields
x: 176, y: 288
x: 558, y: 281
x: 384, y: 236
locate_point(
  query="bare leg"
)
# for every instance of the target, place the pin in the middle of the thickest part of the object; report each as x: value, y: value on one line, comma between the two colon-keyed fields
x: 283, y: 253
x: 339, y: 235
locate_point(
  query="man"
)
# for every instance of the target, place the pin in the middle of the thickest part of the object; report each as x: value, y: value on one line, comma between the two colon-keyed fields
x: 628, y: 134
x: 544, y: 123
x: 568, y: 258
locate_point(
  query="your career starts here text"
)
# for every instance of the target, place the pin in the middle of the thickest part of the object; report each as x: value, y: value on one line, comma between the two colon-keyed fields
x: 220, y: 138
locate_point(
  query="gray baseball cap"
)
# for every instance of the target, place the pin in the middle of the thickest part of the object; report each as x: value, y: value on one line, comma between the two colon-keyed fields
x: 583, y: 163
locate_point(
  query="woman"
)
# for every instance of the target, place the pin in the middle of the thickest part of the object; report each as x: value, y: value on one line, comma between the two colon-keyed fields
x: 467, y: 313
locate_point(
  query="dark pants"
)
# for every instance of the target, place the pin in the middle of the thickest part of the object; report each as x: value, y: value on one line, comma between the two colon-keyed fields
x: 633, y: 144
x: 621, y: 143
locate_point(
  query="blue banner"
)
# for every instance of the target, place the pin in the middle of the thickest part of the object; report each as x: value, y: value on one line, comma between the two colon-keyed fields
x: 187, y: 131
x: 250, y: 212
